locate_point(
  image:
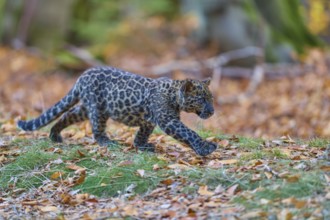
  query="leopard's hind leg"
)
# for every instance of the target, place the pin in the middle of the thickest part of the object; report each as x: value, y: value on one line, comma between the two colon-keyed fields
x: 141, y: 138
x: 98, y: 122
x: 74, y: 115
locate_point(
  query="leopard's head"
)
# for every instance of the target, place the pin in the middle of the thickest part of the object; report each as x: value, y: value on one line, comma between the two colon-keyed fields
x: 195, y: 96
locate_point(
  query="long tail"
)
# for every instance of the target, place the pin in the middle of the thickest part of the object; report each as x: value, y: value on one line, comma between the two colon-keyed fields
x: 51, y: 114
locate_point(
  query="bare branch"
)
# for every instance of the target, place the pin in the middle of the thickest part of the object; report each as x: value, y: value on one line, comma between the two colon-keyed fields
x: 211, y: 63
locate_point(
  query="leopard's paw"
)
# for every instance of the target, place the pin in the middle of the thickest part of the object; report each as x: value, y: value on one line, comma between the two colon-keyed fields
x: 147, y: 147
x: 206, y: 148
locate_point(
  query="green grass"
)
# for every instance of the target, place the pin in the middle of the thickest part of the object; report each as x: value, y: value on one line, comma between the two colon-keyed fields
x: 25, y: 170
x: 309, y: 184
x: 250, y: 143
x: 207, y: 133
x: 263, y: 154
x: 318, y: 142
x: 157, y: 130
x: 106, y: 175
x: 113, y: 180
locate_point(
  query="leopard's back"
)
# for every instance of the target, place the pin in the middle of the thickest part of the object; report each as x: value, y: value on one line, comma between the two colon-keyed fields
x: 115, y: 93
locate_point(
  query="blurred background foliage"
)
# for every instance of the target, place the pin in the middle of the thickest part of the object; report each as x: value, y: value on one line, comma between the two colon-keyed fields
x: 108, y: 29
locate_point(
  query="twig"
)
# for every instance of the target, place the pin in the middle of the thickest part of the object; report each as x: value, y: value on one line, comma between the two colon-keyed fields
x: 272, y: 71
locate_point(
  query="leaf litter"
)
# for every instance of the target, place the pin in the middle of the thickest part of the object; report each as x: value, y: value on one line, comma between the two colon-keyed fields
x: 244, y: 179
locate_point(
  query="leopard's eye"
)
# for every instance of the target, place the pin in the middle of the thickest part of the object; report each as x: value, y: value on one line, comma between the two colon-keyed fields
x: 201, y: 100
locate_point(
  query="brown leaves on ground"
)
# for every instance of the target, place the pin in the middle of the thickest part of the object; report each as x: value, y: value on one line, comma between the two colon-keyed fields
x: 297, y: 107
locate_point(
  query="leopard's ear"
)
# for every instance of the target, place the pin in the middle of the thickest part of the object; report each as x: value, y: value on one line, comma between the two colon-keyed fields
x: 207, y: 81
x: 187, y: 86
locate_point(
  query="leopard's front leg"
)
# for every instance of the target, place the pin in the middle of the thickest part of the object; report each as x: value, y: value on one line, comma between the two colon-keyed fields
x: 175, y: 128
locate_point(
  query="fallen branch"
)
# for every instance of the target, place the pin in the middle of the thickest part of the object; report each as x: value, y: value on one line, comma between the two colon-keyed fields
x: 212, y: 63
x: 272, y: 71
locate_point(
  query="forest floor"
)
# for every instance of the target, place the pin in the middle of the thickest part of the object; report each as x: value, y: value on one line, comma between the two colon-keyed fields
x: 271, y: 162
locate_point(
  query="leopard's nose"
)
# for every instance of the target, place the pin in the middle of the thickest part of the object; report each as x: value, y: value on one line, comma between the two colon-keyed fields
x: 209, y: 110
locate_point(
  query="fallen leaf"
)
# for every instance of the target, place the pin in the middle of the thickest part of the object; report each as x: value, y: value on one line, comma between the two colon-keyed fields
x: 82, y: 197
x: 81, y: 178
x: 327, y: 178
x: 196, y: 161
x: 212, y: 204
x: 213, y: 139
x: 269, y: 175
x: 174, y: 154
x: 257, y: 162
x: 292, y: 178
x: 287, y: 139
x: 219, y: 189
x: 284, y: 174
x: 327, y: 196
x: 81, y: 154
x: 125, y: 163
x: 192, y: 213
x: 232, y: 190
x: 3, y: 159
x: 295, y: 202
x: 253, y: 214
x: 264, y: 201
x: 30, y: 202
x: 296, y: 157
x: 183, y: 162
x: 48, y: 208
x: 155, y: 167
x: 214, y: 164
x: 57, y: 161
x: 325, y: 168
x: 74, y: 167
x: 227, y: 162
x: 130, y: 211
x: 169, y: 214
x: 167, y: 182
x: 204, y: 192
x: 92, y: 200
x: 65, y: 198
x: 165, y: 206
x: 299, y: 204
x: 56, y: 175
x: 285, y: 214
x: 86, y: 217
x: 54, y: 150
x: 178, y: 166
x: 224, y: 143
x: 140, y: 173
x: 8, y: 126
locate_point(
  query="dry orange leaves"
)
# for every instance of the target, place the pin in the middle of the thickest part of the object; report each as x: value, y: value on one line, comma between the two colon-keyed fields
x: 296, y: 107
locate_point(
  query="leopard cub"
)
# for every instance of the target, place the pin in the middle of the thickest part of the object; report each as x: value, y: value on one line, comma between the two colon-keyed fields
x: 106, y: 92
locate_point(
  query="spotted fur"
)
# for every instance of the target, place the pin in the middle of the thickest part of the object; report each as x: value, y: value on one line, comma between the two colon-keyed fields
x: 106, y: 92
